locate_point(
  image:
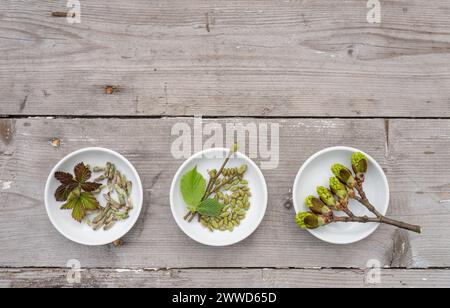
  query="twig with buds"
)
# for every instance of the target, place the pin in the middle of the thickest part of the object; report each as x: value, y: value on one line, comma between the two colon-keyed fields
x: 343, y: 186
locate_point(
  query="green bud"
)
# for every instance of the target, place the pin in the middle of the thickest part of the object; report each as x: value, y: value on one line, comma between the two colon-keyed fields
x: 213, y: 173
x: 307, y: 220
x: 317, y: 206
x: 343, y: 174
x: 359, y: 162
x: 234, y: 148
x: 327, y: 197
x: 338, y: 188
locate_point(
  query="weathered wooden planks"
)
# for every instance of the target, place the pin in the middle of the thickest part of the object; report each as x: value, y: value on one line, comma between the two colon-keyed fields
x: 224, y: 278
x: 253, y: 58
x: 413, y: 153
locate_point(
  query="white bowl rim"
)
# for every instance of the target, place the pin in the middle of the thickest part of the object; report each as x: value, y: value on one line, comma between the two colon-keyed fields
x: 206, y: 152
x: 337, y: 148
x: 137, y: 207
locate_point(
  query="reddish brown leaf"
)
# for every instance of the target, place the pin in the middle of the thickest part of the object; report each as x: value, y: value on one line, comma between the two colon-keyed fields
x: 82, y: 173
x: 64, y: 177
x: 90, y: 186
x: 63, y: 191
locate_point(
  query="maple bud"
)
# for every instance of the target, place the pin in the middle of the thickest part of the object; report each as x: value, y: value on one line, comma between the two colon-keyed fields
x: 308, y: 220
x: 360, y: 164
x: 338, y: 188
x: 317, y: 206
x: 327, y: 197
x: 343, y: 174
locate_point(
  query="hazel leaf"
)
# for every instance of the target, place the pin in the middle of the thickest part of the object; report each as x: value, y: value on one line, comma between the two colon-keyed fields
x: 193, y: 187
x: 210, y: 207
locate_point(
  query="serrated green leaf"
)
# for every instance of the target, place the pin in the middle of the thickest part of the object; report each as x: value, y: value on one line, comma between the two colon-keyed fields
x: 193, y: 187
x: 210, y: 207
x: 78, y: 212
x: 72, y: 200
x: 69, y: 205
x: 89, y: 201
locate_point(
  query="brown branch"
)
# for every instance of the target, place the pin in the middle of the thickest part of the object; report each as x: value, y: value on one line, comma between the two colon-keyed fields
x: 382, y: 220
x: 348, y: 212
x: 363, y: 199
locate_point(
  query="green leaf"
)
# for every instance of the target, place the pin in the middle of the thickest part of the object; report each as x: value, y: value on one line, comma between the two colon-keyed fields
x: 193, y: 187
x: 80, y: 202
x: 69, y: 205
x: 210, y: 207
x: 89, y: 201
x: 78, y: 212
x: 82, y: 173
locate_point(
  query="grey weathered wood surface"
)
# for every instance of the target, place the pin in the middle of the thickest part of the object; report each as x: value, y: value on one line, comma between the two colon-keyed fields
x: 296, y: 63
x: 223, y: 278
x: 414, y: 156
x: 276, y: 58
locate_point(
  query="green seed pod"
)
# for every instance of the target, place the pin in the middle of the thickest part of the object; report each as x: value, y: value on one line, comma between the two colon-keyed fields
x: 100, y: 178
x: 242, y: 169
x: 317, y: 206
x: 343, y: 174
x: 99, y: 169
x: 327, y: 197
x: 307, y: 220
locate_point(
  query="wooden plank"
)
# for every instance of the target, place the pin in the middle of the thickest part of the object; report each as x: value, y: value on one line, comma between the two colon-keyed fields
x: 224, y: 278
x: 254, y: 58
x: 418, y: 180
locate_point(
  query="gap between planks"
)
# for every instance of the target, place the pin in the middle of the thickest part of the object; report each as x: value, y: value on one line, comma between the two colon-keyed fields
x: 174, y: 116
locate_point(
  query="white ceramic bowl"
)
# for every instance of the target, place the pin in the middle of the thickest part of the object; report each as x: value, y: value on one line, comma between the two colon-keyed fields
x: 316, y: 171
x: 213, y: 159
x: 81, y: 232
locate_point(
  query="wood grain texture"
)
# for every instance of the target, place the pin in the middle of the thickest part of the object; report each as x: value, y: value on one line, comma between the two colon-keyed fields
x: 274, y: 58
x: 414, y: 154
x: 224, y: 278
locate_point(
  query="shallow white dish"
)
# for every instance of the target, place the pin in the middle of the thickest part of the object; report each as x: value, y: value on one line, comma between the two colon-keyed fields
x: 316, y: 171
x: 213, y: 159
x: 80, y: 232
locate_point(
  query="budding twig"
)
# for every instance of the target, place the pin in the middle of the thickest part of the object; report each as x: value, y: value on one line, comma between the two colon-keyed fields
x: 343, y: 186
x: 209, y: 188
